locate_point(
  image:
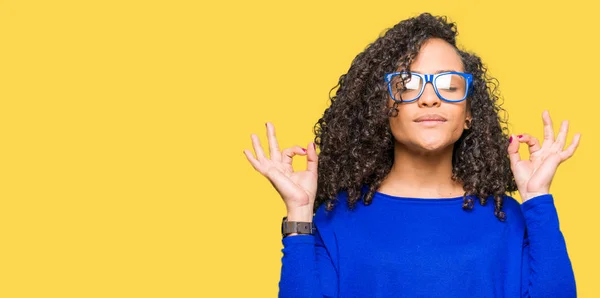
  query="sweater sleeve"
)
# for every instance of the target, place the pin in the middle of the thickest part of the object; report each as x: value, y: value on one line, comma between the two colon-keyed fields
x: 547, y: 269
x: 307, y: 270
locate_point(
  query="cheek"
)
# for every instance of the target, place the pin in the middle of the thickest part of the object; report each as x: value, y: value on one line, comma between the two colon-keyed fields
x: 457, y: 130
x: 402, y: 127
x: 399, y: 121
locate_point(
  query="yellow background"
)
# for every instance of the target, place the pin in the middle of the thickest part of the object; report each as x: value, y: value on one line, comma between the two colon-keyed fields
x: 122, y: 125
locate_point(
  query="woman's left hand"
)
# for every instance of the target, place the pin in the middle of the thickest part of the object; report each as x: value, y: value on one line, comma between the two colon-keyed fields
x: 534, y: 176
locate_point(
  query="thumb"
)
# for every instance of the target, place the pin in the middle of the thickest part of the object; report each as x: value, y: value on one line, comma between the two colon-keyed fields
x: 513, y: 150
x: 312, y: 160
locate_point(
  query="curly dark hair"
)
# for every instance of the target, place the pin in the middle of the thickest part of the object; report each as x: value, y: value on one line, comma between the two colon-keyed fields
x: 354, y: 135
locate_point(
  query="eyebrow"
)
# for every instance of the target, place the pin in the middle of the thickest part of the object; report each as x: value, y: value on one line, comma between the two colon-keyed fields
x: 439, y: 71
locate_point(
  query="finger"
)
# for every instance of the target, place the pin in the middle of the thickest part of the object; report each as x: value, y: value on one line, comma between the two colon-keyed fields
x: 531, y: 141
x: 260, y: 154
x: 549, y: 165
x: 548, y: 130
x: 273, y: 146
x: 288, y: 154
x: 255, y: 163
x: 285, y: 186
x: 312, y: 158
x: 513, y: 151
x: 571, y: 149
x: 561, y: 139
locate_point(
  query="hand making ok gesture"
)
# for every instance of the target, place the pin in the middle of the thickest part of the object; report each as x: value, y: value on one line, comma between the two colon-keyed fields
x: 534, y: 176
x: 297, y: 188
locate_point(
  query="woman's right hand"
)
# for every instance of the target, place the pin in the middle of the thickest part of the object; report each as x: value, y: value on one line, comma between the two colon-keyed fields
x: 298, y: 189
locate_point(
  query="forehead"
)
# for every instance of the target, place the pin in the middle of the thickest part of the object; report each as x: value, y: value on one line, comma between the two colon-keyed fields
x: 435, y: 55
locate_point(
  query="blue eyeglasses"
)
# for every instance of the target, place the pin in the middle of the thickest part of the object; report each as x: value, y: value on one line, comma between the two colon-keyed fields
x: 451, y: 86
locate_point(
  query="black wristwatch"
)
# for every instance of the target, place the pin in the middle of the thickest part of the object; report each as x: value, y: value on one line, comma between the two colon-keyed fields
x: 300, y: 227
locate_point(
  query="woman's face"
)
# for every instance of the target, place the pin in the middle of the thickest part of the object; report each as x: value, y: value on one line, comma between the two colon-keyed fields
x: 436, y: 55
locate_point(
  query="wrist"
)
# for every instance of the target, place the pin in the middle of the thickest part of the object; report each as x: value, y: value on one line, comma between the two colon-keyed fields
x: 303, y: 214
x: 530, y: 195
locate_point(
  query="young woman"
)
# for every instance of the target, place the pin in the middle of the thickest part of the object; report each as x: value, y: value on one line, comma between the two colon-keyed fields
x: 411, y: 140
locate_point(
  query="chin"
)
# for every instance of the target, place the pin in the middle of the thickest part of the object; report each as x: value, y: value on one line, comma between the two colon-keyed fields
x: 425, y: 144
x: 431, y: 149
x: 433, y: 146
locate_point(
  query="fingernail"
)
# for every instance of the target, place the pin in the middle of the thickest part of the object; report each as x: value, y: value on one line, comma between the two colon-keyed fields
x: 510, y: 140
x: 519, y: 136
x: 304, y: 150
x: 315, y: 146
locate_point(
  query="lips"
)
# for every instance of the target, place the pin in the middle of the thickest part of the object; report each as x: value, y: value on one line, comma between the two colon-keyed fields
x: 430, y: 117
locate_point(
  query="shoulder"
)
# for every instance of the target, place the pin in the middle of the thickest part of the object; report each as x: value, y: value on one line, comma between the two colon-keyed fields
x: 509, y: 202
x: 324, y: 217
x: 512, y: 208
x: 339, y: 203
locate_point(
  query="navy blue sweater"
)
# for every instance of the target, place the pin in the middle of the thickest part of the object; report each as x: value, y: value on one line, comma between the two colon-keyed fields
x: 416, y: 247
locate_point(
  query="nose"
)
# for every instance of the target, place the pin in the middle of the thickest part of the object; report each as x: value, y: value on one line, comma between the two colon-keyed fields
x: 429, y: 98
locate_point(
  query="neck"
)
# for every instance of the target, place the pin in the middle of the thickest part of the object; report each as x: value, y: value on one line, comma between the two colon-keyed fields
x: 421, y: 174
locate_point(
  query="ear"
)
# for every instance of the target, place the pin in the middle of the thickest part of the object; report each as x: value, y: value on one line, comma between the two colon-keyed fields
x: 468, y: 123
x: 468, y: 120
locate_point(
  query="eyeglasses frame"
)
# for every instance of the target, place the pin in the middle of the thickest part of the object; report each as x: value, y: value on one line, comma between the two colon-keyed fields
x: 429, y: 78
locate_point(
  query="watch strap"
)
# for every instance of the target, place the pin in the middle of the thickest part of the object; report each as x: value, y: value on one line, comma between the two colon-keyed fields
x: 300, y: 227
